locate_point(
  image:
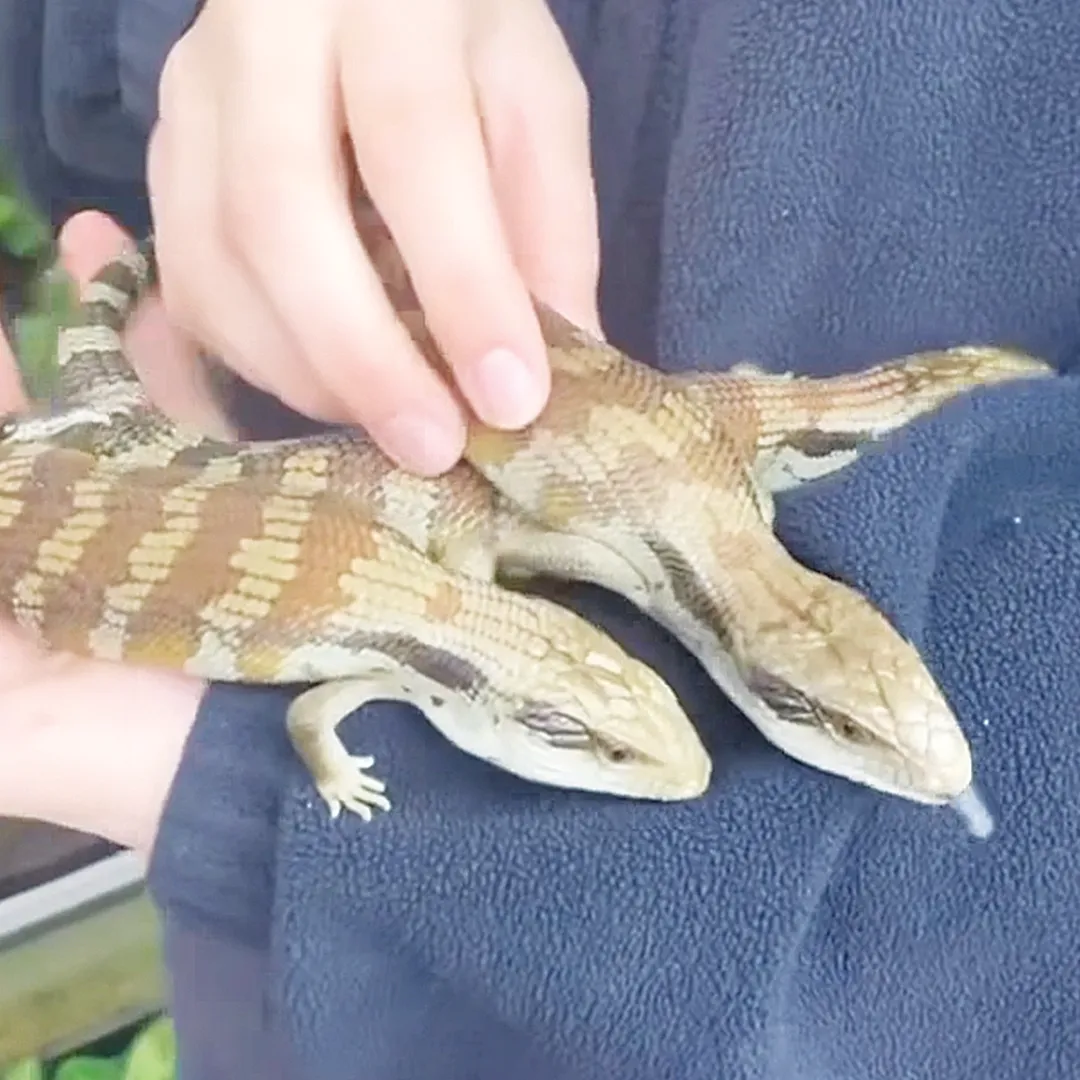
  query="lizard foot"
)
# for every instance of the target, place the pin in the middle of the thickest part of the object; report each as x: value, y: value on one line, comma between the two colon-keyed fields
x: 340, y: 778
x: 351, y: 787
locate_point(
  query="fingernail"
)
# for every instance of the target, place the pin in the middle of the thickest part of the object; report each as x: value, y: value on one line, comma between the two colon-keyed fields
x: 423, y: 443
x: 511, y: 393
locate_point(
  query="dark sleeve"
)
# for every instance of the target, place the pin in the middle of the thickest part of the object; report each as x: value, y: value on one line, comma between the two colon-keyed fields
x: 213, y: 863
x: 78, y: 97
x: 71, y: 146
x: 218, y: 986
x: 839, y: 183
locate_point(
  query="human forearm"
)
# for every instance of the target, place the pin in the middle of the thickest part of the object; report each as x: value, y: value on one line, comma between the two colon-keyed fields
x: 92, y: 746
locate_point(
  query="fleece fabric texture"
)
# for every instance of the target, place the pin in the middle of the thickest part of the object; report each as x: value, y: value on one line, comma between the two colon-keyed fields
x: 813, y: 186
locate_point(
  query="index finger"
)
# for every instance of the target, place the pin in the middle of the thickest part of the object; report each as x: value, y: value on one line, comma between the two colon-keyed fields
x: 292, y: 224
x: 421, y: 151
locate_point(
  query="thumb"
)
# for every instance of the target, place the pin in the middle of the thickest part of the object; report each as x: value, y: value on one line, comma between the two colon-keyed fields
x: 87, y: 241
x: 167, y: 362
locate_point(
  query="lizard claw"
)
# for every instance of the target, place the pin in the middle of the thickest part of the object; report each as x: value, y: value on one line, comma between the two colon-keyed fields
x: 352, y: 788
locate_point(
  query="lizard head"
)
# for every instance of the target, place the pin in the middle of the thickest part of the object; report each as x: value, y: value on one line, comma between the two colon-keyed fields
x: 842, y: 691
x: 584, y: 714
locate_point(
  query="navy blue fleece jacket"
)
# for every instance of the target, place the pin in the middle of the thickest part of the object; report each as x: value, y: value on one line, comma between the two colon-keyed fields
x: 812, y: 185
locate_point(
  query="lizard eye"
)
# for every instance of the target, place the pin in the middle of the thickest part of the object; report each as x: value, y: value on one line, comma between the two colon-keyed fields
x: 616, y: 753
x: 558, y: 728
x: 787, y: 701
x: 791, y: 704
x: 845, y: 728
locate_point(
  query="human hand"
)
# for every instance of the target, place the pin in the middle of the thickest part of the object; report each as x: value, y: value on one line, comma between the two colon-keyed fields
x: 468, y: 123
x: 88, y: 744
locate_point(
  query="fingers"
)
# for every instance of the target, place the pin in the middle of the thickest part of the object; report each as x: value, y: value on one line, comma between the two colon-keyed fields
x: 307, y: 256
x: 535, y: 111
x: 411, y: 108
x: 282, y: 240
x: 206, y: 288
x: 482, y: 178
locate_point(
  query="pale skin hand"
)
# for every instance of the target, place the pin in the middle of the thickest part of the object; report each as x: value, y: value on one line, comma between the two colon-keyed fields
x: 469, y: 125
x: 91, y: 745
x: 467, y: 121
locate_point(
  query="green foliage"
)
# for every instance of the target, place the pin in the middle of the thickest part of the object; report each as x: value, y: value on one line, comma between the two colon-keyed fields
x: 52, y: 304
x: 23, y: 234
x: 26, y: 1070
x: 26, y: 252
x: 88, y: 1068
x: 150, y: 1056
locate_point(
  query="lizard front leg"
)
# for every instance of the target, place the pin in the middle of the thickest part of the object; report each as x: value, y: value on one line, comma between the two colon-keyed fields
x: 341, y: 778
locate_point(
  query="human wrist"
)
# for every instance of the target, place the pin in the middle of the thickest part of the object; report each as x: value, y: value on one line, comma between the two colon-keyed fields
x: 93, y: 746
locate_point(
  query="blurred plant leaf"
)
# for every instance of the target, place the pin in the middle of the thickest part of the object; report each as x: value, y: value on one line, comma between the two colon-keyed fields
x: 45, y: 298
x: 152, y: 1055
x: 51, y: 306
x: 23, y: 234
x: 30, y: 1069
x: 89, y: 1068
